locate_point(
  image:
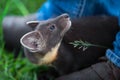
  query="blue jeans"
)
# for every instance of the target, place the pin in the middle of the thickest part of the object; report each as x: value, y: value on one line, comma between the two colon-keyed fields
x: 80, y: 8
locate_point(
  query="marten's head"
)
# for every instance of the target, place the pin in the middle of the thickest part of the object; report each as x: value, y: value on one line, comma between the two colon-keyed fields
x: 41, y: 45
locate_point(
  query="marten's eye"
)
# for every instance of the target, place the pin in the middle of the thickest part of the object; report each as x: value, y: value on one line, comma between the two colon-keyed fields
x: 52, y: 27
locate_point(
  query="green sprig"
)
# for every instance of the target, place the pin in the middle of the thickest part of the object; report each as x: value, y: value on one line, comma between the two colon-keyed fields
x: 84, y: 44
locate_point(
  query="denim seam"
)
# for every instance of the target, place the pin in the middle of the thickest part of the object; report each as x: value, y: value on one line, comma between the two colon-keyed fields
x: 82, y: 7
x: 77, y: 8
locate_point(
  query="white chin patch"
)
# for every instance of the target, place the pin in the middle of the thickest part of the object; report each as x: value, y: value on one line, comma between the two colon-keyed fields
x: 69, y: 24
x: 67, y: 27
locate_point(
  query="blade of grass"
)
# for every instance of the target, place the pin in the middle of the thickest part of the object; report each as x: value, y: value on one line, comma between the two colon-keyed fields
x: 5, y: 10
x: 21, y: 7
x: 3, y: 14
x: 34, y: 76
x: 2, y: 49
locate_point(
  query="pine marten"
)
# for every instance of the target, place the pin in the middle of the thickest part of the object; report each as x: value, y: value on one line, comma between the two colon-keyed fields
x: 50, y: 41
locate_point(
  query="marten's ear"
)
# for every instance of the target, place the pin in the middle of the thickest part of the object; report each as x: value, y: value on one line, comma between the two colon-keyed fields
x: 32, y: 24
x: 33, y: 41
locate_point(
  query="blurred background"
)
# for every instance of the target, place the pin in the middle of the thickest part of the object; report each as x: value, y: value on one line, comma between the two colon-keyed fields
x: 17, y: 68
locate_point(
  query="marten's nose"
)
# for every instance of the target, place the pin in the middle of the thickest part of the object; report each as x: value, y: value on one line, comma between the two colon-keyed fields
x: 65, y: 15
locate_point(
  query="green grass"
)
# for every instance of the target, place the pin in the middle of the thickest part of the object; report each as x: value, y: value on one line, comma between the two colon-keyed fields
x: 19, y: 68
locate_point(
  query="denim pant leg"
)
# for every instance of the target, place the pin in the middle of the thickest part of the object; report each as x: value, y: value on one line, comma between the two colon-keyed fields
x: 47, y: 11
x: 75, y: 8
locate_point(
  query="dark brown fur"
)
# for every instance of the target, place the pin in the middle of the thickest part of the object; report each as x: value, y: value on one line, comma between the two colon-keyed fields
x: 100, y: 30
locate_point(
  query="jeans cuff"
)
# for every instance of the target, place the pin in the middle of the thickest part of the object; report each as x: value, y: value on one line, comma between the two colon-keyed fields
x: 113, y: 57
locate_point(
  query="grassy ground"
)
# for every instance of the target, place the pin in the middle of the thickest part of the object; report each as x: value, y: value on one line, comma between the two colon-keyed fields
x: 20, y: 68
